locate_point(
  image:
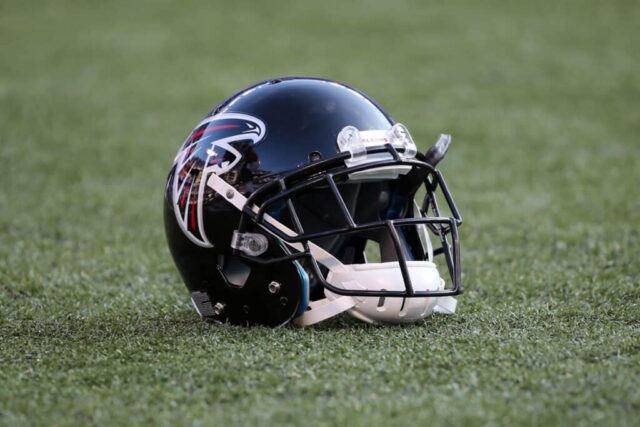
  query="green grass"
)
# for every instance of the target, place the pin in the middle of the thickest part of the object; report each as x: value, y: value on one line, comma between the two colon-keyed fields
x: 543, y: 100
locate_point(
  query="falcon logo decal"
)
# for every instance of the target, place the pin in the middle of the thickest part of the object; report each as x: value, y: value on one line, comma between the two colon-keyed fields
x: 207, y: 150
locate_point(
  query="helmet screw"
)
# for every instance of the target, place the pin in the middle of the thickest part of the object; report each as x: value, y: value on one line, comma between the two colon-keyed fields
x: 245, y: 309
x: 229, y: 194
x: 254, y: 245
x: 284, y: 301
x: 314, y: 156
x: 218, y: 308
x: 274, y: 287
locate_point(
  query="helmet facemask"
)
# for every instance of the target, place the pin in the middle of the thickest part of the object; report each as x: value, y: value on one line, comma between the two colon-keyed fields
x: 326, y: 214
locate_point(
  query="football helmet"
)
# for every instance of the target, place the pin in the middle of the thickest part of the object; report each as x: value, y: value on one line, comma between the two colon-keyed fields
x: 275, y: 196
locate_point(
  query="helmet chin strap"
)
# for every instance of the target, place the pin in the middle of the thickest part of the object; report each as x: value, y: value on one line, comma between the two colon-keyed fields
x: 328, y: 307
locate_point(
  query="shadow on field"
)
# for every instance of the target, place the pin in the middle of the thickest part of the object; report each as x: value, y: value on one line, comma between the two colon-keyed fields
x: 180, y: 324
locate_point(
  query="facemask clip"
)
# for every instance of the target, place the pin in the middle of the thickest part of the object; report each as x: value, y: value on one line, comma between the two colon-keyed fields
x: 400, y: 137
x: 349, y: 140
x: 438, y: 150
x: 252, y: 244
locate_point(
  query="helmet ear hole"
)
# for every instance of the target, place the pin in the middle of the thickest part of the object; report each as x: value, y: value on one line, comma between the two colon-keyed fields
x: 235, y: 271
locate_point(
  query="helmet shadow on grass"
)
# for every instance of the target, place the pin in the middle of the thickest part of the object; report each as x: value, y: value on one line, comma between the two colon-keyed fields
x: 114, y: 327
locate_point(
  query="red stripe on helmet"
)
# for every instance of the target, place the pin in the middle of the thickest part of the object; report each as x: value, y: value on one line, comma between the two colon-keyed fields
x: 193, y: 215
x: 207, y: 130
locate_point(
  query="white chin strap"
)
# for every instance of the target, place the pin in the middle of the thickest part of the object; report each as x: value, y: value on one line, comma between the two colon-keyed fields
x: 385, y: 276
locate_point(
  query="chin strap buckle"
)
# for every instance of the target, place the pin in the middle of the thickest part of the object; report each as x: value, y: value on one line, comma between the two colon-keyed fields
x: 252, y: 244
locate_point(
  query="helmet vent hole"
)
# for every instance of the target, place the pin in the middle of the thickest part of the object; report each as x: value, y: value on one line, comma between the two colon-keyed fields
x: 381, y: 301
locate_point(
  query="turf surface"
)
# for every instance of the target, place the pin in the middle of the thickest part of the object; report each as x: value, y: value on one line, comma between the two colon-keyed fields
x: 543, y: 99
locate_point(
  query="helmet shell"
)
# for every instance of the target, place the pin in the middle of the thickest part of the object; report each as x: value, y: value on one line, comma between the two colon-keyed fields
x: 303, y: 117
x: 249, y: 139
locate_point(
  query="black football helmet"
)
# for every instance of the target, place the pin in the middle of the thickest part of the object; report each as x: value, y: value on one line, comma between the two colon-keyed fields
x: 274, y: 196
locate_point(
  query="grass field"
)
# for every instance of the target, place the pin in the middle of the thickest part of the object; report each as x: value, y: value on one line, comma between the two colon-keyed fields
x: 543, y: 100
